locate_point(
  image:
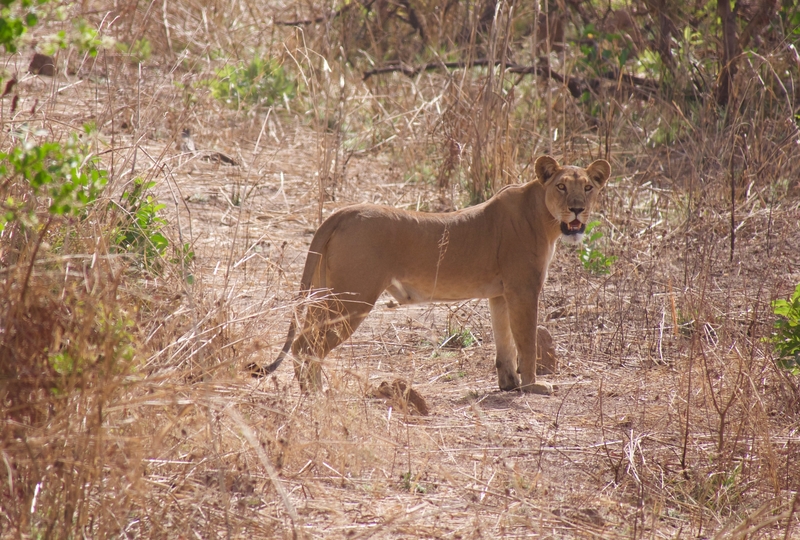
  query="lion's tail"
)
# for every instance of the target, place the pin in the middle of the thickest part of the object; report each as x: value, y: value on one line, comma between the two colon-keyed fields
x: 314, y: 262
x: 262, y: 371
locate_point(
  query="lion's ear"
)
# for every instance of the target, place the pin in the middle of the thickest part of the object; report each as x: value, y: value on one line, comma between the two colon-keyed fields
x: 599, y: 171
x: 546, y: 168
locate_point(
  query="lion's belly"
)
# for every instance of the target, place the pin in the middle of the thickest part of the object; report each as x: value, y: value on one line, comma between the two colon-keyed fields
x: 409, y: 292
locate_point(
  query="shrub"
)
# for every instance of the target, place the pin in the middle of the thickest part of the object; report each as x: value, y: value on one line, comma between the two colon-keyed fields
x: 786, y: 337
x: 59, y: 174
x: 261, y: 82
x: 139, y: 232
x: 11, y: 26
x: 594, y: 260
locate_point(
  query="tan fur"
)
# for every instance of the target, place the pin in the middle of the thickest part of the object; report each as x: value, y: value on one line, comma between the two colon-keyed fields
x: 498, y: 250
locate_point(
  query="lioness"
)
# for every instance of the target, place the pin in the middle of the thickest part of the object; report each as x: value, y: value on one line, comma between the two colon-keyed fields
x: 498, y: 250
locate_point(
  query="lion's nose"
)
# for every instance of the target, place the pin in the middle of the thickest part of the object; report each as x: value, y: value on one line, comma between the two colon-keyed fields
x: 576, y: 211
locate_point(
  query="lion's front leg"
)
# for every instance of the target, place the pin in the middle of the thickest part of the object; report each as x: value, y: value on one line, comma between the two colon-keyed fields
x: 506, y: 362
x: 523, y: 311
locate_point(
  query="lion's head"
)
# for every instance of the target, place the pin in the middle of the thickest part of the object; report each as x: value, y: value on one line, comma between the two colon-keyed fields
x: 571, y: 192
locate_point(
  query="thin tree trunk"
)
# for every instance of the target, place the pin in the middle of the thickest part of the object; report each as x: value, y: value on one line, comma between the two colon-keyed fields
x: 730, y: 46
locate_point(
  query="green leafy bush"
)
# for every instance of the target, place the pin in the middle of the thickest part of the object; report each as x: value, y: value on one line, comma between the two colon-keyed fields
x: 594, y: 260
x: 139, y: 232
x: 82, y: 35
x: 12, y: 25
x: 786, y: 337
x: 603, y: 51
x: 59, y: 173
x: 262, y: 82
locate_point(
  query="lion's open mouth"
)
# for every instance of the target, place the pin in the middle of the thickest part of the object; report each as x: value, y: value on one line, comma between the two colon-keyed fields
x: 573, y: 227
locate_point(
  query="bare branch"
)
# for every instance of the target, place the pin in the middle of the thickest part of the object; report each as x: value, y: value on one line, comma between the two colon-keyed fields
x: 576, y: 85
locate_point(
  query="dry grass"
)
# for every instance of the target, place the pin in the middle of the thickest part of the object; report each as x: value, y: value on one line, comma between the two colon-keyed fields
x: 670, y: 417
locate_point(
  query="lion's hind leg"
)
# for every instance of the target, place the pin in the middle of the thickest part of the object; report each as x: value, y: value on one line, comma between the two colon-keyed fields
x: 328, y: 323
x: 307, y: 349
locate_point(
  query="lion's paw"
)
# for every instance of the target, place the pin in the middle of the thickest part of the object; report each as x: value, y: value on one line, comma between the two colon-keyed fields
x: 541, y: 388
x: 508, y: 382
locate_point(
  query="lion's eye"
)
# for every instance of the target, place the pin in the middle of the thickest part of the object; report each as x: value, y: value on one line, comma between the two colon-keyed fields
x: 587, y: 189
x: 561, y: 187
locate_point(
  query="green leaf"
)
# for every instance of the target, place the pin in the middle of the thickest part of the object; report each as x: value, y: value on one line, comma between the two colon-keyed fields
x: 786, y: 338
x: 159, y: 241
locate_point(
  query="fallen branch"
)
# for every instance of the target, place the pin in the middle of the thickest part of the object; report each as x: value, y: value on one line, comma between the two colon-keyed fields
x: 576, y: 85
x: 316, y: 20
x: 412, y: 71
x: 322, y: 18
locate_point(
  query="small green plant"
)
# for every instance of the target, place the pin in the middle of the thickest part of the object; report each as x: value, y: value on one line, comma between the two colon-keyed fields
x: 261, y: 82
x: 83, y: 36
x: 57, y: 174
x: 458, y: 338
x: 410, y: 483
x: 719, y: 489
x: 184, y: 255
x: 594, y: 260
x: 786, y: 337
x: 139, y: 51
x: 75, y: 356
x: 140, y: 231
x: 454, y: 375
